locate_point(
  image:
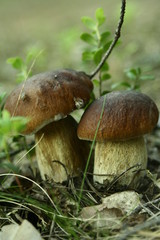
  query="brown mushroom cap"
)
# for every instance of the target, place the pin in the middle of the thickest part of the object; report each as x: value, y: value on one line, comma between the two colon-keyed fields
x: 126, y: 115
x: 49, y: 96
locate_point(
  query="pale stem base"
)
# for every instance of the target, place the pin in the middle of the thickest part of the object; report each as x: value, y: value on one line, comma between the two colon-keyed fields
x: 114, y: 158
x: 60, y: 153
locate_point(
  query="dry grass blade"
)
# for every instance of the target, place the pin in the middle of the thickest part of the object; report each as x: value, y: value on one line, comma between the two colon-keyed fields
x: 140, y: 227
x: 42, y: 189
x: 29, y: 71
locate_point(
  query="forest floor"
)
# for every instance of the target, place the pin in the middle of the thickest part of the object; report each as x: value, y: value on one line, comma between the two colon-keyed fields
x: 55, y: 209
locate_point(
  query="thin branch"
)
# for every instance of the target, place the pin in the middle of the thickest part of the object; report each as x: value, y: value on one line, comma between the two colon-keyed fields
x: 116, y: 37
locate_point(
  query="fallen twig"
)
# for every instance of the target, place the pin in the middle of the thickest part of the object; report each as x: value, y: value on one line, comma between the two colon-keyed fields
x: 138, y: 228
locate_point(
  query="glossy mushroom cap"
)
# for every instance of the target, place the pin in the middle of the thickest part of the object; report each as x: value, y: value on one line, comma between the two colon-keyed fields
x: 49, y: 96
x: 126, y: 115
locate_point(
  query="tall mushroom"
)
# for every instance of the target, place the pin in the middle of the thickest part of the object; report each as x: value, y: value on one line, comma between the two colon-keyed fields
x: 46, y: 99
x: 120, y: 144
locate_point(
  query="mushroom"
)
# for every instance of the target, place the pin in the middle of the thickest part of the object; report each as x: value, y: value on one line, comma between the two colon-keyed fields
x: 46, y: 99
x: 120, y: 145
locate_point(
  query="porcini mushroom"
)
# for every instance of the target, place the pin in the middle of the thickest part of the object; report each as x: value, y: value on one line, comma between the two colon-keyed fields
x: 120, y: 145
x: 46, y: 99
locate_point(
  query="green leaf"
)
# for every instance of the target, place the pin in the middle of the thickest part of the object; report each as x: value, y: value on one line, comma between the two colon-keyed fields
x: 104, y: 38
x: 98, y: 56
x: 105, y: 76
x: 32, y: 54
x: 133, y: 73
x: 100, y: 16
x: 18, y: 124
x: 96, y: 82
x: 16, y: 62
x: 89, y: 23
x: 5, y: 115
x: 136, y: 87
x: 88, y: 38
x: 105, y: 92
x: 11, y: 125
x: 87, y: 56
x: 138, y: 70
x: 105, y: 67
x: 23, y: 75
x: 120, y: 85
x: 106, y: 46
x: 147, y: 77
x: 5, y: 124
x: 2, y: 96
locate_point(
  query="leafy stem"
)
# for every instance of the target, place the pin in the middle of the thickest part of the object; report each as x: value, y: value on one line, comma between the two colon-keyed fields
x: 117, y: 36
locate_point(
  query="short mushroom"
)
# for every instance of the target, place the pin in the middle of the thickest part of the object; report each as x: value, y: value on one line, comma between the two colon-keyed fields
x: 120, y: 145
x: 46, y: 99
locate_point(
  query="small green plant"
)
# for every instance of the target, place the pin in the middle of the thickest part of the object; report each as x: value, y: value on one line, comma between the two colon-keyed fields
x: 135, y: 78
x: 24, y: 66
x: 9, y: 126
x: 98, y: 43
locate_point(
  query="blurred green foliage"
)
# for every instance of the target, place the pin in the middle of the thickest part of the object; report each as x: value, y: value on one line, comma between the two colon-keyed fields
x: 66, y: 53
x: 55, y: 26
x: 24, y: 66
x: 135, y: 78
x: 9, y: 126
x: 98, y: 43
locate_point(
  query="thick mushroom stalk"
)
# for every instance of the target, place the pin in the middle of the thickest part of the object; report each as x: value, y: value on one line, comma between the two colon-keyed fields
x: 45, y: 99
x: 60, y: 153
x: 118, y: 122
x: 121, y: 161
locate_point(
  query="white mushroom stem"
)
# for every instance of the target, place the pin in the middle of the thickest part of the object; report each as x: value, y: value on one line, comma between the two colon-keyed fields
x: 114, y: 158
x: 59, y: 151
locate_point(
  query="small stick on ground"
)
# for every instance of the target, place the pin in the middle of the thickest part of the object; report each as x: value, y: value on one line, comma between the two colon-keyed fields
x: 150, y: 203
x: 147, y: 224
